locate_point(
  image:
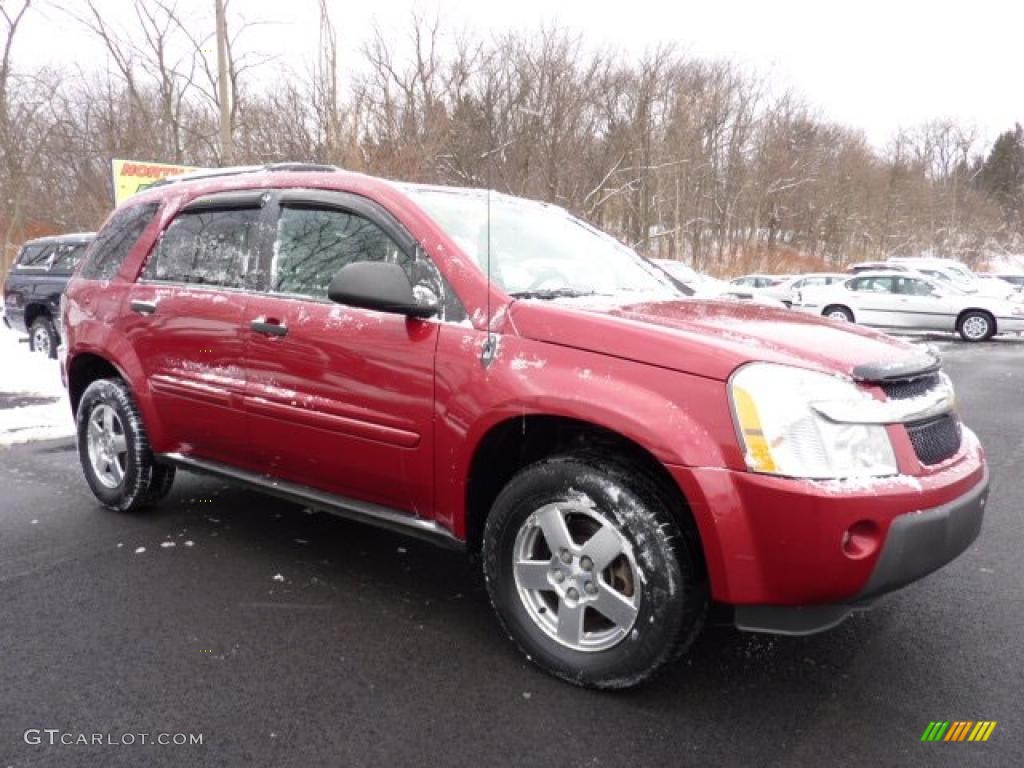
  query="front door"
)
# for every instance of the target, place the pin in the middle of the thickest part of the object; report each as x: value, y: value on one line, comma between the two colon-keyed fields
x: 876, y: 300
x: 340, y: 399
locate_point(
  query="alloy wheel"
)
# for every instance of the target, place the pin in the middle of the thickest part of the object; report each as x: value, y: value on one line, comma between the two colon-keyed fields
x: 41, y: 340
x: 576, y: 576
x: 107, y: 445
x: 976, y: 327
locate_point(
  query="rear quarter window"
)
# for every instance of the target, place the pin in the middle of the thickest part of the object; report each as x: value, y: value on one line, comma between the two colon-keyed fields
x: 115, y: 240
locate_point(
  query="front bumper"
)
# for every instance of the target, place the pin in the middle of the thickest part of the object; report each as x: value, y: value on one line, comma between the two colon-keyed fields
x: 1010, y: 325
x: 917, y: 544
x: 14, y: 318
x: 813, y: 550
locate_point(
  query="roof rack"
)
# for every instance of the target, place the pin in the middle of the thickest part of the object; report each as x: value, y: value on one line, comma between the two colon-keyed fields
x: 238, y: 170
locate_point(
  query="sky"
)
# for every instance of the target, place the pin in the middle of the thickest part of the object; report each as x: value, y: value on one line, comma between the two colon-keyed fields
x: 873, y: 65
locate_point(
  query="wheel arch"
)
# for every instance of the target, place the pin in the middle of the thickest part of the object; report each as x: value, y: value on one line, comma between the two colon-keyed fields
x: 840, y: 305
x: 33, y: 311
x: 528, y: 438
x: 85, y: 368
x: 980, y: 310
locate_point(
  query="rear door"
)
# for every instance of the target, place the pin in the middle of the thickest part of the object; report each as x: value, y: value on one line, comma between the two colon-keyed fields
x: 876, y: 300
x: 185, y: 323
x: 341, y: 399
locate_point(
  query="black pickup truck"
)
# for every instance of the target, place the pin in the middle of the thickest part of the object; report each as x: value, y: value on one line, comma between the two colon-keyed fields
x: 34, y: 286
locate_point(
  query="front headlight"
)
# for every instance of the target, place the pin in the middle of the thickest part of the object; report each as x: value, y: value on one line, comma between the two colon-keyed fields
x: 782, y: 433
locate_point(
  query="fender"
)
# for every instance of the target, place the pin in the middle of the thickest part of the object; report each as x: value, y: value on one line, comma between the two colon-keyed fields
x: 95, y: 334
x: 639, y: 402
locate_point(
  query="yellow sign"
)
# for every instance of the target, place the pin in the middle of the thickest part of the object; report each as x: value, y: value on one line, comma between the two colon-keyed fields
x: 133, y: 176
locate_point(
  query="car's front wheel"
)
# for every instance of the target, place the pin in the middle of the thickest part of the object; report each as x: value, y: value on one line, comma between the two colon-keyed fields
x: 114, y: 449
x: 589, y: 572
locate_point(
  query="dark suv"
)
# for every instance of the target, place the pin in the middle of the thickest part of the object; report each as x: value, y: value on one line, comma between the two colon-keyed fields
x: 34, y: 286
x: 493, y: 374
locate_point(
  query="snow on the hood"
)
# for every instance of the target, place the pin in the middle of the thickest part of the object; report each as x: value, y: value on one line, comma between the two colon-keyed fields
x: 31, y: 383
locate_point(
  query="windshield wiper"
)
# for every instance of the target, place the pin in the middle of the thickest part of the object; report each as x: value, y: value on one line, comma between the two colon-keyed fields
x: 552, y: 293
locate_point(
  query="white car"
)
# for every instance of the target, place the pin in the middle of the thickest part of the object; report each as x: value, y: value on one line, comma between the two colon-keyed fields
x: 707, y: 287
x: 957, y: 274
x: 891, y: 299
x: 1016, y: 280
x: 756, y: 281
x: 786, y: 290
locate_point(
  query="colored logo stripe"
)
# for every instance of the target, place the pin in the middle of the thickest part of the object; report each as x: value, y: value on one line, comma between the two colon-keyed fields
x: 958, y: 730
x: 935, y: 730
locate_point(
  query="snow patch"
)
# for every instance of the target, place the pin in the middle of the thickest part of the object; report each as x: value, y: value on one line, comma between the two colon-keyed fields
x: 520, y: 363
x: 34, y: 379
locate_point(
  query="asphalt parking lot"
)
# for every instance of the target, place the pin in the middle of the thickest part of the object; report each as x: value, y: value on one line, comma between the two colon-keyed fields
x: 289, y: 638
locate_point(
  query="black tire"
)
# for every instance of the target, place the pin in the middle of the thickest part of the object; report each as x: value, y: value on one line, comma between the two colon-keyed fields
x: 142, y: 481
x: 42, y: 337
x: 976, y: 325
x: 672, y: 588
x: 160, y: 482
x: 838, y: 312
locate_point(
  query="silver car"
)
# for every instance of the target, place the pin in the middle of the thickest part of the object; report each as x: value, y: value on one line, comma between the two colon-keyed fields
x: 786, y: 290
x: 910, y: 300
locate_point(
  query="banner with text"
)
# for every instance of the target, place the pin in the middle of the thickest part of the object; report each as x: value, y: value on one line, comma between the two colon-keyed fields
x: 133, y: 176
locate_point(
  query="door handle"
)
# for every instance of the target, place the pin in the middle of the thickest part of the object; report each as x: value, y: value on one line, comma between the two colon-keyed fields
x: 268, y: 327
x: 144, y: 307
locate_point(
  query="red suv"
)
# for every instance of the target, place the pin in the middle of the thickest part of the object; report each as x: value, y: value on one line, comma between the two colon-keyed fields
x: 494, y: 374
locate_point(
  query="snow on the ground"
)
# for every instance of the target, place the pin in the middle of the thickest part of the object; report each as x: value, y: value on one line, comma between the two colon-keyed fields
x: 33, y: 402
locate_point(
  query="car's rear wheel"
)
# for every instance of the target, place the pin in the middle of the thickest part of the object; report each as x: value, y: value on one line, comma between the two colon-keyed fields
x: 114, y: 449
x: 590, y: 573
x: 840, y: 313
x: 42, y: 337
x: 976, y: 326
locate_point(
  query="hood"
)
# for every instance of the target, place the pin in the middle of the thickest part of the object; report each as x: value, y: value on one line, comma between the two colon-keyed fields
x: 712, y: 338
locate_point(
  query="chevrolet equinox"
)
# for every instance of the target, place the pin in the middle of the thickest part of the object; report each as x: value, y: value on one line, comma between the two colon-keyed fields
x: 496, y: 375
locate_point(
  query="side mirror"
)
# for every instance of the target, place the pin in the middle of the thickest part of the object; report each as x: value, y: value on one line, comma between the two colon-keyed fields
x: 381, y: 286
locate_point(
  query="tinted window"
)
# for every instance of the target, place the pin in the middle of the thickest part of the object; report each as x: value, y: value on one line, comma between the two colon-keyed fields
x: 873, y: 284
x: 35, y: 255
x: 313, y: 244
x: 207, y: 248
x: 912, y: 287
x: 67, y: 256
x: 115, y: 240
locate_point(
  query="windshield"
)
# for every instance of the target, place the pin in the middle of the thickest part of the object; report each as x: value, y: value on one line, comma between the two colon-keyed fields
x: 538, y: 250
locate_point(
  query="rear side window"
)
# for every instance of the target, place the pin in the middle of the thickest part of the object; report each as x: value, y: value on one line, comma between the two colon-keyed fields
x: 873, y: 284
x: 67, y: 255
x: 313, y: 244
x: 115, y: 240
x: 206, y: 247
x: 912, y: 287
x: 35, y: 256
